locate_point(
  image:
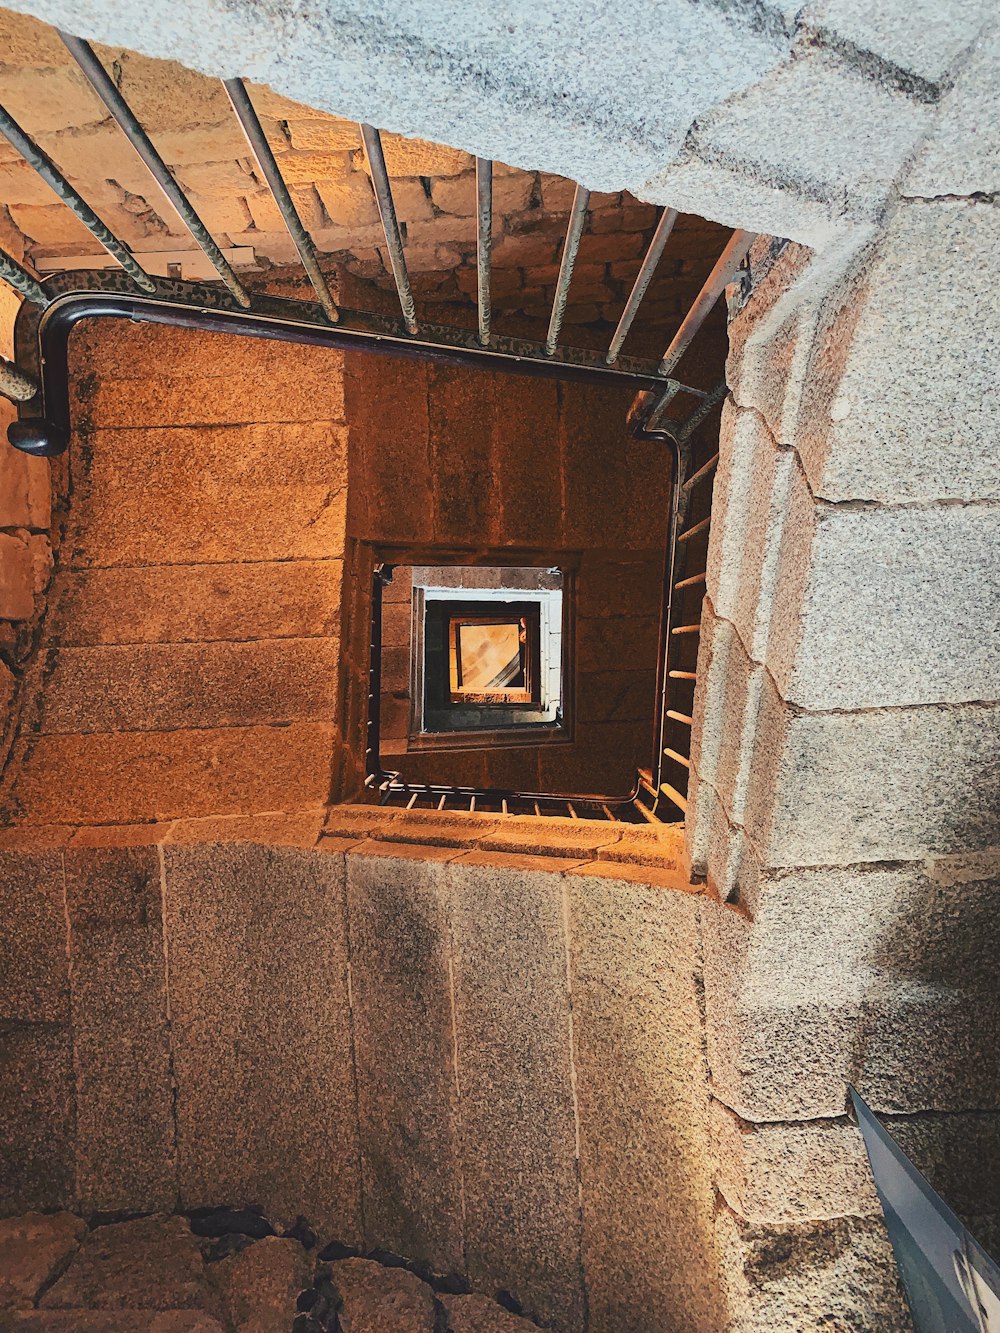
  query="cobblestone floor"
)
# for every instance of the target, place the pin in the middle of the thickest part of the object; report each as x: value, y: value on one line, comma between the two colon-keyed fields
x: 217, y: 1270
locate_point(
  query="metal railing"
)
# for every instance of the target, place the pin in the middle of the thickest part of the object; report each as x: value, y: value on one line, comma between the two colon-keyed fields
x: 39, y: 384
x: 655, y: 380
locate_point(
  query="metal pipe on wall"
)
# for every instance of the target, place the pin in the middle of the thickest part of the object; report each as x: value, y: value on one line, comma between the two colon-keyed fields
x: 104, y: 86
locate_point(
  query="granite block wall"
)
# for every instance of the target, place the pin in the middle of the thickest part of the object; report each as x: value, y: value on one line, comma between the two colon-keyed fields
x: 497, y: 1074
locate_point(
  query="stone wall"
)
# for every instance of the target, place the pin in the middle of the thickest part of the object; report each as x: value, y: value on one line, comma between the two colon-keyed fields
x: 190, y: 662
x: 493, y: 1073
x: 845, y: 790
x: 446, y: 459
x: 26, y: 522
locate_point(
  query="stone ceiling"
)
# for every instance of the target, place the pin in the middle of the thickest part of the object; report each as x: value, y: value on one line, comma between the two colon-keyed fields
x: 321, y: 158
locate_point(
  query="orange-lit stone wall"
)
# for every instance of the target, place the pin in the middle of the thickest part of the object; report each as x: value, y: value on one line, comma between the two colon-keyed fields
x: 190, y: 663
x: 447, y: 459
x: 189, y: 658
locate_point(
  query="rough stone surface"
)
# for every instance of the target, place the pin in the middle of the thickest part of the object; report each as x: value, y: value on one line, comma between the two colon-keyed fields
x: 34, y: 1249
x: 860, y: 133
x: 835, y: 761
x: 151, y: 688
x: 788, y: 1278
x: 16, y: 600
x: 476, y: 1314
x: 836, y: 600
x: 119, y: 1321
x: 927, y: 44
x: 124, y: 1091
x: 961, y: 156
x: 375, y: 1299
x: 889, y: 425
x: 528, y: 55
x: 891, y: 575
x: 430, y: 101
x: 261, y: 1284
x: 153, y: 1263
x: 404, y: 1048
x: 818, y: 1170
x: 179, y: 603
x: 517, y: 1114
x: 34, y: 967
x: 36, y: 1117
x: 844, y: 975
x: 258, y: 986
x: 104, y: 777
x: 643, y: 1102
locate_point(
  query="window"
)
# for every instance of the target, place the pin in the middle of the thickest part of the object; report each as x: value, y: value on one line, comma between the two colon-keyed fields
x: 472, y: 655
x: 493, y: 659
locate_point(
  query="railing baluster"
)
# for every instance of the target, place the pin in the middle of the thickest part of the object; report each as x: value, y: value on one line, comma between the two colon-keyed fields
x: 715, y: 284
x: 15, y: 384
x: 18, y: 277
x: 38, y: 159
x: 574, y: 230
x: 484, y: 244
x: 261, y: 149
x: 390, y: 225
x: 644, y: 277
x: 103, y: 85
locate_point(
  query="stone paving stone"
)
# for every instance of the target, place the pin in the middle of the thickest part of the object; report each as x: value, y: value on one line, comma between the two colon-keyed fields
x: 153, y: 1263
x: 512, y: 1034
x: 123, y: 1087
x: 260, y: 1284
x: 404, y: 1045
x: 377, y: 1299
x: 33, y: 1249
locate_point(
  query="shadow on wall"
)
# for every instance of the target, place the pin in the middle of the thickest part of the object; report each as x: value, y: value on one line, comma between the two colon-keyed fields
x: 513, y: 1089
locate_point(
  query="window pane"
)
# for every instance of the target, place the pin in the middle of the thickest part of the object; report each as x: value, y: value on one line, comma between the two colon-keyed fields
x: 489, y: 657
